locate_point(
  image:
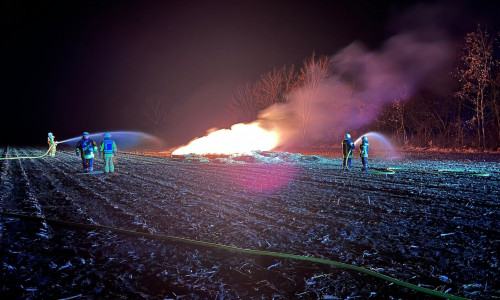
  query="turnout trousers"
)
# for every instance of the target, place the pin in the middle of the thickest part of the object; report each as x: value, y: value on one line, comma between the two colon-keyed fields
x: 346, y: 163
x: 364, y: 161
x: 52, y: 151
x: 88, y: 164
x: 109, y: 164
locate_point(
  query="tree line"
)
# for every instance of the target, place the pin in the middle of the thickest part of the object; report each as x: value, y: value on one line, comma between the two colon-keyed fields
x: 467, y: 115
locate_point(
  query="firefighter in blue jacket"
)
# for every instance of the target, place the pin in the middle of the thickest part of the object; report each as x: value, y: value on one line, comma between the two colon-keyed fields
x: 347, y: 150
x: 363, y: 153
x: 86, y: 147
x: 108, y: 149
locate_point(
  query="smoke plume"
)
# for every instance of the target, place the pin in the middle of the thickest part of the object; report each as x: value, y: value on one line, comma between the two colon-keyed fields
x: 362, y: 81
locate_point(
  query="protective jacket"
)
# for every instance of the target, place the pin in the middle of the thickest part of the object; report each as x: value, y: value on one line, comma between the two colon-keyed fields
x: 347, y: 147
x: 363, y: 149
x: 86, y: 147
x: 108, y: 147
x: 51, y: 141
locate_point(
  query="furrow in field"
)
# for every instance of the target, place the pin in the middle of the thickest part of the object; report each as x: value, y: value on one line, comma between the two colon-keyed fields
x: 82, y: 191
x: 237, y: 216
x: 52, y: 185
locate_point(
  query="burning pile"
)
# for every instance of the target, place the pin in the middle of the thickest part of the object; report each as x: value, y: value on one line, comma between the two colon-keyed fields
x: 241, y: 138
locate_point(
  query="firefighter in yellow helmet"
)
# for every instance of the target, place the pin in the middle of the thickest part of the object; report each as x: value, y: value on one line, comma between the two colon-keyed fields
x: 52, y: 144
x: 108, y: 149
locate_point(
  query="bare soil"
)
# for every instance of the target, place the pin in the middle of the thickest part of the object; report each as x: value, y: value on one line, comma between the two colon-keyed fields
x: 435, y: 229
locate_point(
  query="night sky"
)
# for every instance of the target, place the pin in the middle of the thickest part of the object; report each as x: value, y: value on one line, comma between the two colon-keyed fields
x: 74, y: 66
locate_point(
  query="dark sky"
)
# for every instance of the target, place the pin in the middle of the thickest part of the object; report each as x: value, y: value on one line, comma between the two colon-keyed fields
x: 74, y: 66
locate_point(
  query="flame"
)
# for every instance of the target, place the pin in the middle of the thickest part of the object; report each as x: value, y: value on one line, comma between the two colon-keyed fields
x: 241, y: 138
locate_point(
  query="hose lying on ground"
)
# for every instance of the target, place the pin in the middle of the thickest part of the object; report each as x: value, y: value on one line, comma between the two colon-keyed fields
x: 239, y: 250
x: 453, y: 171
x: 372, y: 171
x: 24, y: 157
x: 381, y: 171
x: 465, y: 171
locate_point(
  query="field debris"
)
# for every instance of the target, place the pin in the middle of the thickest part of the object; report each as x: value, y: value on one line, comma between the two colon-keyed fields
x: 408, y: 226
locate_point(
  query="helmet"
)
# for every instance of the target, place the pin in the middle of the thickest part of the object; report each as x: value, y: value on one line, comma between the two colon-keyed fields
x: 50, y: 135
x: 86, y: 133
x: 347, y: 136
x: 365, y: 139
x: 107, y: 135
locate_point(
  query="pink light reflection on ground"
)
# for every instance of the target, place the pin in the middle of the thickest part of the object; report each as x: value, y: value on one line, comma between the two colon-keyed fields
x: 262, y: 177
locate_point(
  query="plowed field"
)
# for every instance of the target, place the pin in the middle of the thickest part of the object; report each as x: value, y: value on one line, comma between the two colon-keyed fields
x: 437, y: 229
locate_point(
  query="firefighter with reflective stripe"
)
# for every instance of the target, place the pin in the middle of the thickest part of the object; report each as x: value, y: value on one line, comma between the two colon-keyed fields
x: 363, y: 153
x: 347, y: 150
x: 86, y: 147
x: 52, y: 144
x: 108, y: 149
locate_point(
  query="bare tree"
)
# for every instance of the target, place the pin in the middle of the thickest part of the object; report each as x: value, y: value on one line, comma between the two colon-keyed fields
x: 475, y: 76
x: 360, y: 106
x: 398, y: 118
x: 243, y: 103
x: 495, y: 99
x: 393, y: 117
x: 274, y: 86
x: 441, y: 110
x: 313, y: 72
x: 156, y: 111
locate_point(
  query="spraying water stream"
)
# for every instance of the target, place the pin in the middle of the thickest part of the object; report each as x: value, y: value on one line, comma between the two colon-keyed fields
x: 123, y: 139
x: 379, y: 144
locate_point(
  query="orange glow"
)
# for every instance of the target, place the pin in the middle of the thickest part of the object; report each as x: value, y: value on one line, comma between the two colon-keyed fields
x: 241, y: 138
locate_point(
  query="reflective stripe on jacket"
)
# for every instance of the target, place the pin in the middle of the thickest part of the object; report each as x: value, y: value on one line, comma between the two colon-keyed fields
x: 347, y: 147
x: 108, y: 147
x: 87, y: 147
x: 363, y: 149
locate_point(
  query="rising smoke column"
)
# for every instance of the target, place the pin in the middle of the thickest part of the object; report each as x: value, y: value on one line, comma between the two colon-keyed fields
x: 363, y: 81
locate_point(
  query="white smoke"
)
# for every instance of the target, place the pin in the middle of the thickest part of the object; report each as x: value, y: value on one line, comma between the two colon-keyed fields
x: 363, y: 81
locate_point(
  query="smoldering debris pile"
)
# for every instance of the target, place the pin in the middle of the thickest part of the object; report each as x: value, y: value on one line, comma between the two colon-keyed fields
x: 258, y: 157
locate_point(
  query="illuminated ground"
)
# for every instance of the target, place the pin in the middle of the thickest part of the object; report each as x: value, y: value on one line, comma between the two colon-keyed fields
x: 437, y: 229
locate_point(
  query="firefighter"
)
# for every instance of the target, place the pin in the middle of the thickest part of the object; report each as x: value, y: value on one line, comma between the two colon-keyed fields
x: 108, y: 149
x: 86, y: 147
x: 52, y: 144
x: 347, y: 149
x: 363, y: 153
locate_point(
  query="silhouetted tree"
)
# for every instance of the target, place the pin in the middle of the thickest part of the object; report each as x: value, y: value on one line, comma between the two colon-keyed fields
x: 274, y: 86
x: 156, y: 111
x: 495, y: 100
x: 271, y: 88
x: 243, y: 104
x: 392, y: 118
x: 313, y: 72
x: 398, y: 117
x: 474, y: 74
x: 441, y: 112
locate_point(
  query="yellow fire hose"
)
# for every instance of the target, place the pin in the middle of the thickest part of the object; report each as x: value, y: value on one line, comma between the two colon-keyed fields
x: 381, y: 171
x: 347, y: 158
x: 452, y: 171
x: 25, y: 157
x: 239, y: 250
